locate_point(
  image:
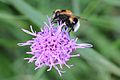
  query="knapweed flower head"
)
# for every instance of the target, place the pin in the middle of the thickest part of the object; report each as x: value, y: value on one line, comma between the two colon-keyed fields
x: 52, y: 46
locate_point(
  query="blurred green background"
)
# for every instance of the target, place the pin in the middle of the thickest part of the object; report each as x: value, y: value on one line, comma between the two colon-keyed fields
x: 102, y: 62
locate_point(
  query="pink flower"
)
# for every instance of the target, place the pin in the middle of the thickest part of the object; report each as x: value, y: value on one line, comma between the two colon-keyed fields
x: 51, y: 47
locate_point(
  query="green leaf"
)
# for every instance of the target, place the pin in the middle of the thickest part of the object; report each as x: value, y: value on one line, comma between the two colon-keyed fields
x: 7, y: 16
x: 28, y: 11
x: 113, y: 2
x: 39, y: 73
x: 95, y: 58
x: 102, y: 43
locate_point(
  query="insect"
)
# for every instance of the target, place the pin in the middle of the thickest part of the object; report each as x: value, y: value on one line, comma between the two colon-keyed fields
x: 67, y: 17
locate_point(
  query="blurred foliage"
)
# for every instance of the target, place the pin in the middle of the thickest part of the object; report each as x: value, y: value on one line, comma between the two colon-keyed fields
x: 102, y: 62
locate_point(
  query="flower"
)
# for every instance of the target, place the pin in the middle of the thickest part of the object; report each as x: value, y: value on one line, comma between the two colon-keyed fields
x: 52, y: 46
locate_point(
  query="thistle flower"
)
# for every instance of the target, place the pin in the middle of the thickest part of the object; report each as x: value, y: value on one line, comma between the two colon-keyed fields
x: 51, y: 47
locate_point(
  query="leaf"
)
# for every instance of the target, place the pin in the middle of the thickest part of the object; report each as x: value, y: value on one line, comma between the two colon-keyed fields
x: 113, y: 2
x: 94, y: 57
x: 28, y: 11
x: 39, y: 73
